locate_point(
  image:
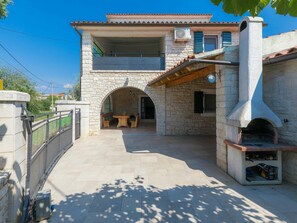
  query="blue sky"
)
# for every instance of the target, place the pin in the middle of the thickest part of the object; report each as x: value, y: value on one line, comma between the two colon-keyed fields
x: 51, y: 48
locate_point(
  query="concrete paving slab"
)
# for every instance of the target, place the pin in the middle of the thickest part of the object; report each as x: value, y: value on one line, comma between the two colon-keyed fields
x: 125, y: 176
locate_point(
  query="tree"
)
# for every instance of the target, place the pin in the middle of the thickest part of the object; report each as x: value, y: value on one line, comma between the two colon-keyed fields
x: 17, y: 82
x: 3, y: 8
x: 75, y: 91
x: 254, y: 7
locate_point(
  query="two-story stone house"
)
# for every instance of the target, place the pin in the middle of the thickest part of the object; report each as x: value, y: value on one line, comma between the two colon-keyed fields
x: 122, y: 55
x: 192, y: 76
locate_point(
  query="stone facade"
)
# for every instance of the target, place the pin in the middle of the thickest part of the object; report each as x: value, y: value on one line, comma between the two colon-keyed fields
x: 180, y: 116
x: 226, y: 99
x: 280, y: 94
x: 98, y: 85
x: 126, y: 101
x: 176, y: 51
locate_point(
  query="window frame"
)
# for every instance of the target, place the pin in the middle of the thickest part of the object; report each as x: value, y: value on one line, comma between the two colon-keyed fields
x: 211, y: 36
x: 208, y: 113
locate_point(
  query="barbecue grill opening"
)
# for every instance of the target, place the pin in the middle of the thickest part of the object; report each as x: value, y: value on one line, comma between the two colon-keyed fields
x: 259, y: 131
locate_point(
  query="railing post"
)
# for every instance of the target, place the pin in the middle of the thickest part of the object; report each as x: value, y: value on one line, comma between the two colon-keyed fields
x: 73, y: 125
x: 46, y: 140
x: 60, y: 129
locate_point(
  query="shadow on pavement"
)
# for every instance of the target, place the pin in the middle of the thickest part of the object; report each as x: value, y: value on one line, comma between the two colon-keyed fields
x: 122, y: 202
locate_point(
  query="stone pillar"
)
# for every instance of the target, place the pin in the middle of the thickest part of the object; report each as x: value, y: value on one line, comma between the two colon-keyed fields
x: 13, y: 148
x: 226, y: 99
x: 63, y: 105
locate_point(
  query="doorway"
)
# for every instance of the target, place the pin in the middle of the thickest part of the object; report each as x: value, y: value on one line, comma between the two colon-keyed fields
x: 147, y: 108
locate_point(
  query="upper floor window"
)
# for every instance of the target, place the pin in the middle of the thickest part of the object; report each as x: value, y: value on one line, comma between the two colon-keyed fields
x: 210, y: 43
x: 204, y: 43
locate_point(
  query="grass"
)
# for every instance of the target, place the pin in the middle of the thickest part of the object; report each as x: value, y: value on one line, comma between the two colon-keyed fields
x: 39, y: 134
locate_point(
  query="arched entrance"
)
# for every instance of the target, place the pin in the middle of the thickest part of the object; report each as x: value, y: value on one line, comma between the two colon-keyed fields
x: 128, y: 107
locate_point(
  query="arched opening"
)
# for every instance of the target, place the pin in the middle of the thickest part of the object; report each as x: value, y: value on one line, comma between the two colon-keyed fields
x: 128, y: 108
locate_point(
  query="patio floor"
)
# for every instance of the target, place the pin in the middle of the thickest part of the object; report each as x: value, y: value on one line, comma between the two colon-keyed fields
x: 132, y: 175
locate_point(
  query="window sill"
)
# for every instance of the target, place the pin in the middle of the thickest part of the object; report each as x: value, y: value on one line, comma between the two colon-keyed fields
x: 208, y: 114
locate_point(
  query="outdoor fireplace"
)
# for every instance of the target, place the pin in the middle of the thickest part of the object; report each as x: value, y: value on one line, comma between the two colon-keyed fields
x: 253, y: 152
x: 259, y: 132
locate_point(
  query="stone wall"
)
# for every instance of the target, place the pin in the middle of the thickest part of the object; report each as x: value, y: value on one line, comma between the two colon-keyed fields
x: 279, y: 89
x: 227, y: 98
x: 64, y: 105
x: 4, y: 176
x: 13, y: 147
x: 98, y: 85
x: 279, y: 42
x: 126, y: 101
x: 177, y: 51
x: 180, y: 116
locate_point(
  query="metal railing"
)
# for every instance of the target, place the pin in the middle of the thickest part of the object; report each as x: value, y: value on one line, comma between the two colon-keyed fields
x: 77, y: 123
x: 51, y: 137
x: 128, y: 54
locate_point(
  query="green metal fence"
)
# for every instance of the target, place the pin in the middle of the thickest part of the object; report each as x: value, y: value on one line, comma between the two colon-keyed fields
x: 51, y: 136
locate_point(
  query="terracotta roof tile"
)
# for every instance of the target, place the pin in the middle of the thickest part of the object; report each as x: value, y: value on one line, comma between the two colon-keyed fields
x: 280, y: 53
x: 183, y: 14
x: 86, y: 23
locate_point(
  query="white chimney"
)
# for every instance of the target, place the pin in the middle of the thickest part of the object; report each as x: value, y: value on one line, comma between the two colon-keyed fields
x: 251, y: 104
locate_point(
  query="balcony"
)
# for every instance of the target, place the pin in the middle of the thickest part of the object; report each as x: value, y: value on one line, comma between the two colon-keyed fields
x: 125, y: 61
x: 128, y: 54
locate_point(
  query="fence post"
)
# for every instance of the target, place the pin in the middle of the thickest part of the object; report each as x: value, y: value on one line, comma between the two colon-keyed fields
x: 73, y: 125
x: 46, y: 140
x: 60, y: 128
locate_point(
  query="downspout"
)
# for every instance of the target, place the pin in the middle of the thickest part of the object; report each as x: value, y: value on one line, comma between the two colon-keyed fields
x: 80, y: 35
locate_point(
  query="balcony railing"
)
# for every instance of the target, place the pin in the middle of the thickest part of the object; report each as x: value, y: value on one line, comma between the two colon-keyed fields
x: 128, y: 61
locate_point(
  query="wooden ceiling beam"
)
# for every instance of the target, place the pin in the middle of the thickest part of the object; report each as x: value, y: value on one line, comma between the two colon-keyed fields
x: 193, y: 76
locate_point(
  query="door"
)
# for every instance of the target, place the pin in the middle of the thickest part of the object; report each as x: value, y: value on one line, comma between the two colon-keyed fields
x: 147, y: 108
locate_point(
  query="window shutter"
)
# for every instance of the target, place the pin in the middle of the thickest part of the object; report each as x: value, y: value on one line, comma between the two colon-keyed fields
x: 198, y: 102
x: 226, y: 39
x: 198, y: 42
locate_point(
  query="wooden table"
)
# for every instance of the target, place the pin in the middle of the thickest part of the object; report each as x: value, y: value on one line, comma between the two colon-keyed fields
x: 123, y: 120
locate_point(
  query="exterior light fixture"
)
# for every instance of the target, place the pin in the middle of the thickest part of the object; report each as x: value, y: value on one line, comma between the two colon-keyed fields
x: 211, y: 78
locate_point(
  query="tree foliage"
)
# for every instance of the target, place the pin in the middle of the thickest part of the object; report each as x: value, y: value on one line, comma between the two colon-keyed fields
x: 75, y: 91
x: 15, y: 81
x: 254, y: 7
x: 3, y: 8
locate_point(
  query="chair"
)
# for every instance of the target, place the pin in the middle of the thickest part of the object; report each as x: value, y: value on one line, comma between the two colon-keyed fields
x: 106, y: 122
x: 134, y: 122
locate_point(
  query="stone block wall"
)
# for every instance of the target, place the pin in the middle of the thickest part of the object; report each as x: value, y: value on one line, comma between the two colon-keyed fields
x: 177, y: 51
x: 279, y: 91
x: 126, y: 100
x: 64, y: 105
x: 227, y: 98
x: 180, y: 116
x: 13, y: 148
x: 98, y: 85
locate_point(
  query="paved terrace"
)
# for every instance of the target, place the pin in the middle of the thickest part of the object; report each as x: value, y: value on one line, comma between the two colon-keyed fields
x: 132, y: 175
